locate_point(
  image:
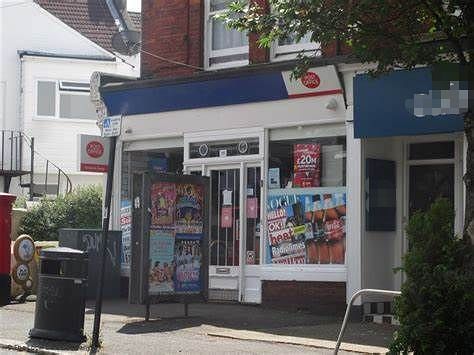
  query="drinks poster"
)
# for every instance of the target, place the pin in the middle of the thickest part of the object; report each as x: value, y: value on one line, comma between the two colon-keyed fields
x: 163, y: 196
x: 189, y: 209
x: 162, y: 265
x: 306, y: 226
x: 188, y: 261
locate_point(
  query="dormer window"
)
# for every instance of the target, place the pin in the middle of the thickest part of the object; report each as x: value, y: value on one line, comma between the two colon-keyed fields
x: 223, y: 47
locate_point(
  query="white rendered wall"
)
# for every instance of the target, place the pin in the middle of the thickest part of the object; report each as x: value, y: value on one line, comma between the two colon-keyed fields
x: 24, y: 25
x: 56, y: 139
x: 381, y: 251
x: 269, y: 114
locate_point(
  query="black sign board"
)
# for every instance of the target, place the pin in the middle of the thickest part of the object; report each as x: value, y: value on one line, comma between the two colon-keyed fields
x: 170, y: 234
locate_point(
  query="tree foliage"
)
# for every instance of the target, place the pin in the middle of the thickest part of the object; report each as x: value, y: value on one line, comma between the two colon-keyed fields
x: 80, y: 209
x: 390, y: 33
x: 437, y: 302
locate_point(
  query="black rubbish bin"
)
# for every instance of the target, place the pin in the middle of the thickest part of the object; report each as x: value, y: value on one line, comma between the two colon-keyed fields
x: 60, y: 303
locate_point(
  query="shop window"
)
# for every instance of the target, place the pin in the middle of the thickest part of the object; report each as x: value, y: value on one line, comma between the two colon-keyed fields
x: 306, y: 204
x: 158, y: 161
x: 225, y: 47
x: 64, y: 99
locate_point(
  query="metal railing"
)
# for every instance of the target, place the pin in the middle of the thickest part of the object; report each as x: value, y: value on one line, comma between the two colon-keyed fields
x: 349, y: 305
x: 12, y: 150
x: 19, y: 159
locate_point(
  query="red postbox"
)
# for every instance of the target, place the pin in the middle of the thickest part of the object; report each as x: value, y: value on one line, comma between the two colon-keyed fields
x: 6, y: 201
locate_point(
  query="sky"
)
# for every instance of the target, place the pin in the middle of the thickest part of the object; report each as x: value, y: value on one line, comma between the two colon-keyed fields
x: 134, y: 5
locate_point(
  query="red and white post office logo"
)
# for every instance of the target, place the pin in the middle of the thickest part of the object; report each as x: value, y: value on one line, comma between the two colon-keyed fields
x: 311, y: 80
x: 95, y: 149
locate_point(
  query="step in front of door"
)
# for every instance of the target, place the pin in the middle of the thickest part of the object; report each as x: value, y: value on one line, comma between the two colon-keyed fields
x: 228, y: 295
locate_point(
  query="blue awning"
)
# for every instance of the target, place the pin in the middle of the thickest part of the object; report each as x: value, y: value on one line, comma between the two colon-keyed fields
x: 383, y: 106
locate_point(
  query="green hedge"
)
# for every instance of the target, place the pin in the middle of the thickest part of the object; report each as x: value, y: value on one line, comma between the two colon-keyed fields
x: 436, y: 308
x: 80, y: 209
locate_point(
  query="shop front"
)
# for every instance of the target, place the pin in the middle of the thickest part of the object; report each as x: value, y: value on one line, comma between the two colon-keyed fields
x: 275, y: 152
x: 412, y: 154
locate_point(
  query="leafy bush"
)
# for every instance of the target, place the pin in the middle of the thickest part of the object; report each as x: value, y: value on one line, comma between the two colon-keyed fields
x: 80, y: 209
x: 436, y: 308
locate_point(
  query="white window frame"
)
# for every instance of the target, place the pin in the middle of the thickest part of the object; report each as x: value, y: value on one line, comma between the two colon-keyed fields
x: 209, y: 53
x: 291, y: 51
x: 57, y: 107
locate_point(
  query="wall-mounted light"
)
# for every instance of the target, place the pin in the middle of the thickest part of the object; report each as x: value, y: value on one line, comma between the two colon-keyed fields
x: 332, y: 104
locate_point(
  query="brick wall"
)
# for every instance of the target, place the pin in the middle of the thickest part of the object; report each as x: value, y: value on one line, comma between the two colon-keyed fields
x: 172, y: 29
x: 318, y: 297
x: 257, y: 54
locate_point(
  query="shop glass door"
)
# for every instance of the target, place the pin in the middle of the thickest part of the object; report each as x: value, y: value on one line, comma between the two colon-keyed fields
x: 224, y: 239
x: 428, y: 183
x: 235, y: 232
x: 225, y: 196
x: 250, y: 274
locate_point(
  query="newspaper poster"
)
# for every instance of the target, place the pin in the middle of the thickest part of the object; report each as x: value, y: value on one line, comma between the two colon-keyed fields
x: 189, y: 209
x: 162, y: 268
x: 188, y: 260
x: 306, y: 226
x: 126, y: 228
x: 163, y: 196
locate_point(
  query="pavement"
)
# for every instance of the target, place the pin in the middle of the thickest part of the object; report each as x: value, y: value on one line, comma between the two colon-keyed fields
x: 209, y: 328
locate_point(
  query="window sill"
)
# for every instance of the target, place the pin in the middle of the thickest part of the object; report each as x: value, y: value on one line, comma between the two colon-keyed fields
x: 235, y: 64
x: 68, y: 120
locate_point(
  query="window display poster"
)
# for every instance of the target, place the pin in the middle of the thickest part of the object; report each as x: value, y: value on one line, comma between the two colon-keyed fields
x: 226, y: 217
x: 307, y: 165
x: 162, y: 266
x: 126, y: 228
x: 306, y: 226
x: 163, y: 196
x: 189, y: 209
x: 188, y: 261
x: 274, y: 178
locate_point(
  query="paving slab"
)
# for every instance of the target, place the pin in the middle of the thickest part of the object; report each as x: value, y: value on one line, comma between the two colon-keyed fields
x: 209, y: 328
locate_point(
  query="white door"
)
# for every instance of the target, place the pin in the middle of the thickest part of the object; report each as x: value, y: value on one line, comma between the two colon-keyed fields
x: 234, y: 227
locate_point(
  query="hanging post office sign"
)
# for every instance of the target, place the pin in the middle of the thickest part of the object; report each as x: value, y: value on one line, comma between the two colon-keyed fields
x: 94, y: 153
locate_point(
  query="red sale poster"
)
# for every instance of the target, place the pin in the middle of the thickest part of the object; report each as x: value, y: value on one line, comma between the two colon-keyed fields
x: 307, y: 165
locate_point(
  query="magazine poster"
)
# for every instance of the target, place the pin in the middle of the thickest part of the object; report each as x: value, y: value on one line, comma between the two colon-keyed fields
x: 189, y: 209
x: 162, y: 268
x: 188, y: 259
x: 306, y: 226
x: 126, y: 228
x: 163, y: 196
x: 306, y: 165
